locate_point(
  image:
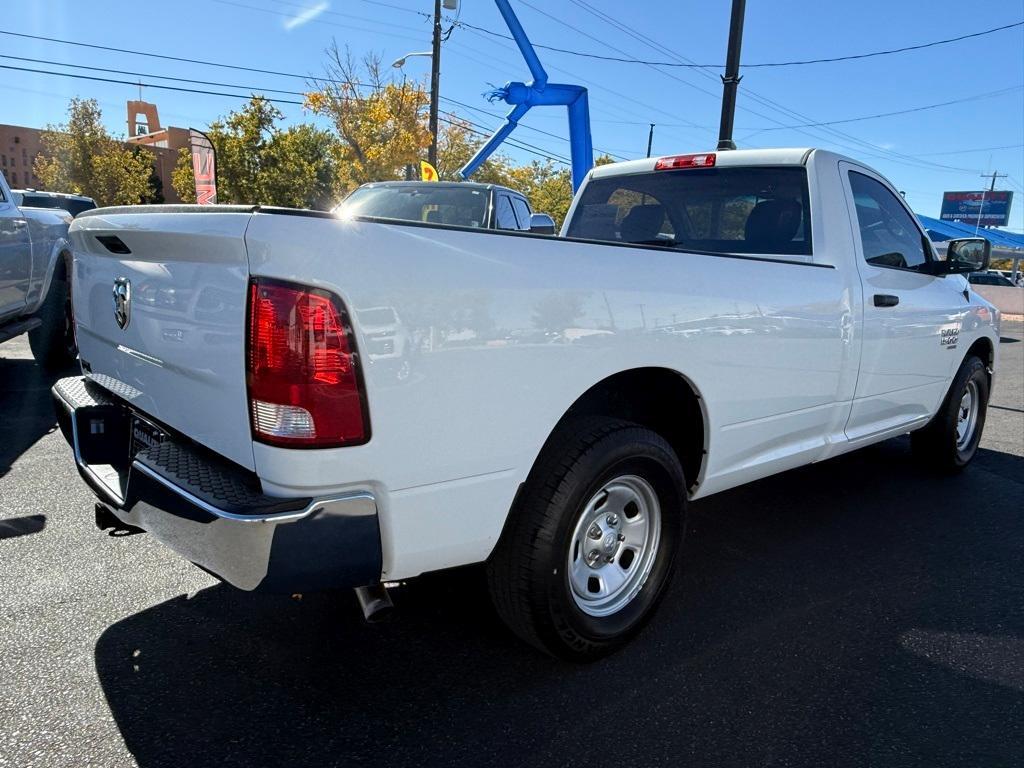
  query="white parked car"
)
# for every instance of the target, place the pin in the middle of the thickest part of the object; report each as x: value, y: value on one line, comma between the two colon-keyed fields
x: 268, y: 446
x: 35, y: 264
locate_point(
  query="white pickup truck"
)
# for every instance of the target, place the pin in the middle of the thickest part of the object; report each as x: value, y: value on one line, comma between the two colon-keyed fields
x: 35, y: 262
x: 702, y: 321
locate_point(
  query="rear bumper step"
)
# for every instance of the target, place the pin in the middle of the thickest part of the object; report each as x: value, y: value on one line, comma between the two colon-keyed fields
x: 213, y: 512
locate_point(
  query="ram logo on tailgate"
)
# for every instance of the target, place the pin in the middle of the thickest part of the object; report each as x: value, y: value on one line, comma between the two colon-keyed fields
x: 122, y: 302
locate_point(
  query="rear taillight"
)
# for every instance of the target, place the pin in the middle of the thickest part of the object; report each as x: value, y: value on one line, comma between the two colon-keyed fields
x: 705, y: 160
x: 305, y: 386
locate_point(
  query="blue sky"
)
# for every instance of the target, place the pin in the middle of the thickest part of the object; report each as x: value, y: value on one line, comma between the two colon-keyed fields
x: 923, y: 152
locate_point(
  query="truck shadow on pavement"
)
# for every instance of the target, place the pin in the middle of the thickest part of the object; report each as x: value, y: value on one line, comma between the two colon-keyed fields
x: 26, y: 408
x: 860, y: 611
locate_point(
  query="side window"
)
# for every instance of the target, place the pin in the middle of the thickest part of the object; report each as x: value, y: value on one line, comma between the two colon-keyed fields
x: 522, y: 212
x: 504, y: 215
x: 888, y: 234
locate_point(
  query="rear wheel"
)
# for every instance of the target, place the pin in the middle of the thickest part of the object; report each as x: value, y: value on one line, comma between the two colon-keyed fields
x: 951, y: 438
x: 53, y: 342
x: 591, y: 546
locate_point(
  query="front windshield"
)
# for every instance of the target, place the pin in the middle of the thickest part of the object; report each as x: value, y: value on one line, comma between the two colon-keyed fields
x: 454, y: 206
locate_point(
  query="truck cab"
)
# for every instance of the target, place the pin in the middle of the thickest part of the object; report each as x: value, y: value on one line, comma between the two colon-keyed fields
x: 35, y: 264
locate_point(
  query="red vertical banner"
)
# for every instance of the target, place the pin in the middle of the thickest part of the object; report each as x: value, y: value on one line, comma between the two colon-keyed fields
x: 204, y: 167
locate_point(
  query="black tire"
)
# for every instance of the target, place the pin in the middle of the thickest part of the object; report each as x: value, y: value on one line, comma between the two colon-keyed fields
x: 53, y: 342
x: 528, y: 573
x: 938, y: 444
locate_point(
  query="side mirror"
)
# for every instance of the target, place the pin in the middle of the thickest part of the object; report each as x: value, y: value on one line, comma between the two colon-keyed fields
x: 970, y: 254
x: 542, y: 224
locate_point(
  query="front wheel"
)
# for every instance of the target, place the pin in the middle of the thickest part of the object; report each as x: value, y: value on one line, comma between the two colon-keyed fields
x: 951, y: 438
x: 590, y: 548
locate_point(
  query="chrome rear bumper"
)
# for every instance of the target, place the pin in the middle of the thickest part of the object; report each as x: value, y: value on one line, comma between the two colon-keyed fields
x: 212, y: 511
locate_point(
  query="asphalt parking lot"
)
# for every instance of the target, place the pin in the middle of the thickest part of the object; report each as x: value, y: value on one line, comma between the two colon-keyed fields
x: 858, y: 612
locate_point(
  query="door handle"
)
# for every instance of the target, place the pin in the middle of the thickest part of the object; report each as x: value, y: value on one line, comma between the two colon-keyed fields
x: 886, y: 300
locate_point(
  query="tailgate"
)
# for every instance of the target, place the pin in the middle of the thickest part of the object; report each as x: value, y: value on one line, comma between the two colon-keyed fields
x: 160, y: 308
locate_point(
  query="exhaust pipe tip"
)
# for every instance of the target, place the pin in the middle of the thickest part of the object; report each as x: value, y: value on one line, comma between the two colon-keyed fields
x: 375, y: 603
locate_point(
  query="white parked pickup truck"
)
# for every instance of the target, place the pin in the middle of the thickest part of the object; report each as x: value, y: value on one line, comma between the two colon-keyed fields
x: 702, y: 321
x: 35, y: 262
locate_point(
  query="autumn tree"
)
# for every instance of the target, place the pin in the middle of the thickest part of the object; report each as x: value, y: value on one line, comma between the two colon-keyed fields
x: 380, y: 124
x: 80, y: 156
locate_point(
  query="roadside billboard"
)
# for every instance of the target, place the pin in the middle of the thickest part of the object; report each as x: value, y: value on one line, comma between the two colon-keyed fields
x: 986, y: 208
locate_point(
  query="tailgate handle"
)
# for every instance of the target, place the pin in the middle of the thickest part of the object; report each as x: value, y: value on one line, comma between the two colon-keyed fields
x: 886, y: 300
x: 114, y: 244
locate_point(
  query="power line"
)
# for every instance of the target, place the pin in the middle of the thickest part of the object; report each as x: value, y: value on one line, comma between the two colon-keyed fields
x: 513, y: 142
x: 976, y: 97
x: 888, y: 155
x: 692, y: 65
x: 601, y: 87
x: 968, y: 151
x: 308, y: 78
x: 255, y: 70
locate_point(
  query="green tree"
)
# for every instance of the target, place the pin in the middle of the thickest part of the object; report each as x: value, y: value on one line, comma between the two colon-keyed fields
x: 547, y: 186
x: 80, y: 156
x: 302, y: 168
x: 258, y: 162
x: 183, y: 178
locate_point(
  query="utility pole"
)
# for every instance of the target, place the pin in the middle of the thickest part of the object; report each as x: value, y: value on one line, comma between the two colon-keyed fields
x: 435, y: 83
x: 650, y: 139
x: 992, y: 188
x: 731, y: 79
x: 994, y: 175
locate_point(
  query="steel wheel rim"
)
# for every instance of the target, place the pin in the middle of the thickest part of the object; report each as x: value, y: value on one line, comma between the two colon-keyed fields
x: 614, y: 545
x: 967, y: 415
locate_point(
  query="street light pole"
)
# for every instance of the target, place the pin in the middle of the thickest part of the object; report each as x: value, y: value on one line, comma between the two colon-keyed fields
x: 435, y: 83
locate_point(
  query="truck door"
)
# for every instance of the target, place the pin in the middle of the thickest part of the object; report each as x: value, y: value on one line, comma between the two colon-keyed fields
x: 911, y: 319
x: 15, y: 256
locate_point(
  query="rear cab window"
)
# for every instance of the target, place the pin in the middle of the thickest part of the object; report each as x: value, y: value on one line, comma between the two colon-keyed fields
x: 732, y: 210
